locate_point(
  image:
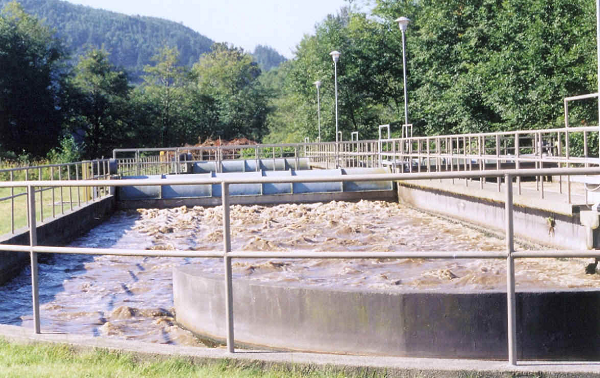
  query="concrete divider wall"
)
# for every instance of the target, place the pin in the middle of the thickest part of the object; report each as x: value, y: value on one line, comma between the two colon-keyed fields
x: 170, y: 190
x: 530, y: 222
x: 414, y: 324
x: 57, y: 231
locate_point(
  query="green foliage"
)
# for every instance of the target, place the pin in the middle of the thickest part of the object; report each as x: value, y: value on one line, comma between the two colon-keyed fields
x: 42, y: 97
x: 68, y: 152
x: 102, y: 96
x: 130, y: 40
x: 31, y: 83
x: 483, y: 65
x: 267, y: 57
x: 230, y: 78
x: 165, y: 87
x: 472, y: 66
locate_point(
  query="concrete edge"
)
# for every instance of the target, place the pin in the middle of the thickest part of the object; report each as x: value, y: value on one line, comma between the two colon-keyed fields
x: 358, y: 365
x: 531, y: 225
x: 494, y: 197
x: 375, y: 195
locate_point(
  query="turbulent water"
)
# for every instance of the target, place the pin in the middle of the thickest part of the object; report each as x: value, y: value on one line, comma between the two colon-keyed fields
x: 130, y: 297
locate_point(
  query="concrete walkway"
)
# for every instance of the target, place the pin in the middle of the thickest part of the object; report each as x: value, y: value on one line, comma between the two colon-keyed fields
x: 363, y: 365
x: 530, y: 196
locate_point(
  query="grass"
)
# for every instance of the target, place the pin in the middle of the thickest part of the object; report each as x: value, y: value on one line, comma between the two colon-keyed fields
x: 47, y: 360
x: 50, y: 199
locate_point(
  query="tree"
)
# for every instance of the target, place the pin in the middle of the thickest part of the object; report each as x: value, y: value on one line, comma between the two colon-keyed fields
x: 472, y: 66
x: 164, y: 85
x: 32, y: 83
x: 267, y: 57
x: 104, y: 93
x: 230, y: 78
x: 486, y: 65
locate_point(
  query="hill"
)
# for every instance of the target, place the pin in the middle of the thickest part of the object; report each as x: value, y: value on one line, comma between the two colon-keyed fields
x: 267, y: 57
x: 131, y: 40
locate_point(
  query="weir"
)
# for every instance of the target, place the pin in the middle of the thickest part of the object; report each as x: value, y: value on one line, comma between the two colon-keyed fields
x: 445, y: 324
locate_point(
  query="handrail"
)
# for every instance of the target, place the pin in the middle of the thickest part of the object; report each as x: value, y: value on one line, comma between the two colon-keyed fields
x: 48, y: 195
x: 296, y: 179
x: 505, y: 133
x: 509, y: 254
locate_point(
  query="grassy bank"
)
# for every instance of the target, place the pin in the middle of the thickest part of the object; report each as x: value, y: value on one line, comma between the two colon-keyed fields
x: 61, y: 199
x: 46, y: 360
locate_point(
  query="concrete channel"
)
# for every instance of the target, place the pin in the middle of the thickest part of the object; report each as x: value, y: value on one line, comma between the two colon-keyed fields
x: 442, y: 325
x: 56, y: 232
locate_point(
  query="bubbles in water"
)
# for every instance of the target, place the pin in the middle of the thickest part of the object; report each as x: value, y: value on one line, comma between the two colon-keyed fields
x: 131, y: 297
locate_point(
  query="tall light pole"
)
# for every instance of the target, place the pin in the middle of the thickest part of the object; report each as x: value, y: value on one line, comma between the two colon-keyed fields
x: 403, y: 24
x: 336, y: 56
x: 318, y: 84
x: 598, y: 48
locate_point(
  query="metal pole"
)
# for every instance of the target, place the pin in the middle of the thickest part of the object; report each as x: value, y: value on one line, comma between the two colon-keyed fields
x: 35, y: 293
x: 510, y: 274
x: 319, y: 112
x: 227, y: 263
x: 404, y: 70
x: 598, y: 52
x: 336, y: 116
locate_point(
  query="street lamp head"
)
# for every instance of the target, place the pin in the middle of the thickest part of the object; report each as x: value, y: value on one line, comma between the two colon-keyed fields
x: 317, y: 83
x: 403, y: 23
x: 335, y: 55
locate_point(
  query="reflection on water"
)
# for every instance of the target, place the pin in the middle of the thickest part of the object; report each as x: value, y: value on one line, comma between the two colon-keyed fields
x: 131, y: 297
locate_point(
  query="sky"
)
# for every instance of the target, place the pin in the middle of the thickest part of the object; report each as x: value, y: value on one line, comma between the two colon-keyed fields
x: 280, y: 24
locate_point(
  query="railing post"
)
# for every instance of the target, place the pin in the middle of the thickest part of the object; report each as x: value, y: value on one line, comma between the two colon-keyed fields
x: 227, y: 263
x: 35, y: 293
x: 510, y: 274
x: 517, y: 161
x: 12, y: 205
x: 138, y: 163
x: 498, y: 162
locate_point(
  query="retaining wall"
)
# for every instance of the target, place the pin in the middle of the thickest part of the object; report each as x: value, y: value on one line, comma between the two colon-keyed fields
x: 550, y: 324
x: 531, y: 216
x: 58, y: 231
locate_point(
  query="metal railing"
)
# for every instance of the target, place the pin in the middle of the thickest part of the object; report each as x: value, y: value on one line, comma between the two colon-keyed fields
x: 565, y: 147
x: 51, y: 200
x: 155, y: 161
x: 350, y: 154
x: 227, y: 254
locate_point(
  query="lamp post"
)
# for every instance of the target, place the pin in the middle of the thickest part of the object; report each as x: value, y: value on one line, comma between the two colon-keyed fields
x: 318, y: 84
x: 403, y: 24
x: 336, y: 56
x: 598, y: 48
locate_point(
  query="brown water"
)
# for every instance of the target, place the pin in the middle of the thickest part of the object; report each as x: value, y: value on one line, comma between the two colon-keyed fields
x: 130, y: 297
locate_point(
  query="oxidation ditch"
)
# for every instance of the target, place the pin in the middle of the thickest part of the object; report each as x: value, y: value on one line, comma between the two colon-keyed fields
x: 132, y: 298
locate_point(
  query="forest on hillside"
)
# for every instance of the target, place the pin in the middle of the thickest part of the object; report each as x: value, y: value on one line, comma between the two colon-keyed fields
x: 131, y: 41
x: 472, y: 66
x: 48, y: 106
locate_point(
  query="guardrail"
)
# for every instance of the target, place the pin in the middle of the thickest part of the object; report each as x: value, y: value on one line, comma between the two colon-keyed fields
x: 227, y: 254
x: 154, y: 161
x: 565, y: 147
x: 52, y: 201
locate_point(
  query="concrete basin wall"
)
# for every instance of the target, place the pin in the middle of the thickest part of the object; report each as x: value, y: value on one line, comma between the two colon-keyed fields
x: 57, y: 231
x: 486, y: 209
x: 414, y: 324
x: 170, y: 190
